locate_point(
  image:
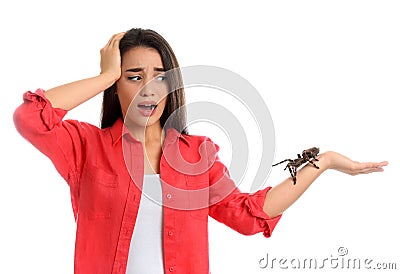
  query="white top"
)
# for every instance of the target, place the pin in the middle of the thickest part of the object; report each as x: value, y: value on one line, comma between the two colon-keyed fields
x: 146, y: 251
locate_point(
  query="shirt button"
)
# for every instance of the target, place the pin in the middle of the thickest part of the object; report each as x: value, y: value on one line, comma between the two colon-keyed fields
x: 170, y: 233
x: 169, y: 196
x: 171, y: 269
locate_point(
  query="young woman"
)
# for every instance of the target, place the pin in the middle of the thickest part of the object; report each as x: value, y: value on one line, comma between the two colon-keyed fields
x: 140, y: 149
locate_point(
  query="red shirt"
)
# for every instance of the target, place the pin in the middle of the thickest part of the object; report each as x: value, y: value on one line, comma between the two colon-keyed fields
x: 104, y: 170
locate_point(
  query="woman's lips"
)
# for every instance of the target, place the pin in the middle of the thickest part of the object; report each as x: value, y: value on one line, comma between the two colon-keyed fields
x: 147, y: 108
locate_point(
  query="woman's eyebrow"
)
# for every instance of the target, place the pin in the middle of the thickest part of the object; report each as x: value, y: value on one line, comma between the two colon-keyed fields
x: 134, y: 70
x: 141, y: 69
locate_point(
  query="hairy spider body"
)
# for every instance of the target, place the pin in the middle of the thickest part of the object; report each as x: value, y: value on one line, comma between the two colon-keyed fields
x: 307, y: 156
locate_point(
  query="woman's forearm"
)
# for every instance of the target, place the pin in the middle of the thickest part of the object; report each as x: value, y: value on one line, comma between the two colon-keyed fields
x: 282, y: 196
x: 73, y: 94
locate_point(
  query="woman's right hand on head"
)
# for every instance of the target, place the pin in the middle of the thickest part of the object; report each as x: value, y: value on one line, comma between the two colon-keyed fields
x: 110, y: 57
x: 70, y: 95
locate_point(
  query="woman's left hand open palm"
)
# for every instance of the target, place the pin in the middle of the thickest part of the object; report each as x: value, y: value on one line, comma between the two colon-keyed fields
x: 343, y: 164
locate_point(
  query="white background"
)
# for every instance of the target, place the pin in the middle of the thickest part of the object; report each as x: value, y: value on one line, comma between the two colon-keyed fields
x: 328, y: 71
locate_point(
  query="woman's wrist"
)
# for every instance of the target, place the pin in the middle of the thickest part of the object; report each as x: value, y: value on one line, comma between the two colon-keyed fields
x: 108, y: 78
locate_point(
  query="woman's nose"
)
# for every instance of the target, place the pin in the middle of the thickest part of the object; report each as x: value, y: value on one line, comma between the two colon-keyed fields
x: 147, y: 89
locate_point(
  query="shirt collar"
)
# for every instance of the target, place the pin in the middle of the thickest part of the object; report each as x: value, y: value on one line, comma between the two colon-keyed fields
x: 118, y: 129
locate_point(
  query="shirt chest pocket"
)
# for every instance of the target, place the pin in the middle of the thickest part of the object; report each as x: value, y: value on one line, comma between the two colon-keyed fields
x: 97, y: 193
x: 198, y: 195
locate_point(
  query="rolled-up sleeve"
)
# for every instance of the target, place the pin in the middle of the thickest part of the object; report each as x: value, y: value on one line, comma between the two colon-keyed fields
x: 62, y: 141
x: 243, y: 212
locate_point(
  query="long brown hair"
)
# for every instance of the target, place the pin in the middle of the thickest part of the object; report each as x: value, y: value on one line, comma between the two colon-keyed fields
x: 174, y: 114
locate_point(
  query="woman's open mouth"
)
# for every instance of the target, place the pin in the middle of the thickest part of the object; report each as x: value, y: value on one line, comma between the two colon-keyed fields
x: 147, y: 108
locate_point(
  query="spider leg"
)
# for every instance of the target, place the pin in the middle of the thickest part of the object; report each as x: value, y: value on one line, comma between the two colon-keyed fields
x: 292, y: 170
x: 289, y: 165
x: 281, y: 162
x: 311, y: 161
x: 295, y: 174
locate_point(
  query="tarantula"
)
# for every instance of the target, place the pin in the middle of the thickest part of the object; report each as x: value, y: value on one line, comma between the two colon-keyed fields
x: 307, y: 156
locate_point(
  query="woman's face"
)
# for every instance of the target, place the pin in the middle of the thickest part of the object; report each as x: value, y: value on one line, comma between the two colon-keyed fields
x: 142, y: 88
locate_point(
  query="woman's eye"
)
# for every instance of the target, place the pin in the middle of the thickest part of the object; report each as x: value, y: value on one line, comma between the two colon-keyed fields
x: 135, y: 78
x: 161, y: 77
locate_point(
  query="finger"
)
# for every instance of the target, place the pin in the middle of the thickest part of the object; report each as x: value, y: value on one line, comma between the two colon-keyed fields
x: 383, y: 163
x: 373, y: 164
x: 115, y: 36
x: 110, y: 41
x: 370, y: 170
x: 368, y: 167
x: 117, y: 39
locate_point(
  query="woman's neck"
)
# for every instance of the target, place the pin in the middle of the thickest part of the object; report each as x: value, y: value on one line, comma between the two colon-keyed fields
x: 149, y: 134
